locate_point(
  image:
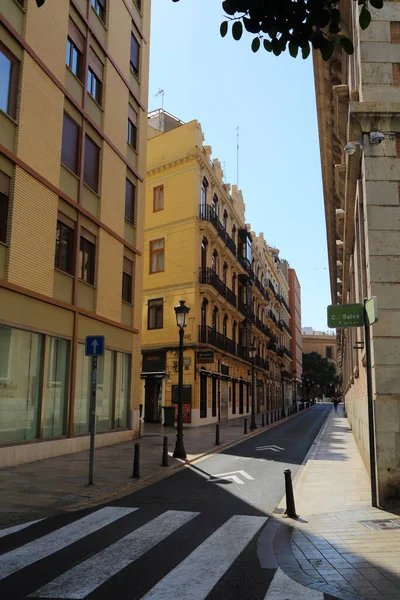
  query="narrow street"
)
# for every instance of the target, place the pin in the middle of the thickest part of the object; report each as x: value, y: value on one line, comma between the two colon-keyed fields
x: 193, y: 535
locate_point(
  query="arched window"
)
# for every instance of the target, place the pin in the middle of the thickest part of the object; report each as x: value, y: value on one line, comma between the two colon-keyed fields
x: 225, y: 326
x: 204, y: 188
x: 225, y: 220
x: 224, y: 272
x: 233, y: 236
x: 234, y: 332
x: 215, y: 318
x: 234, y: 283
x: 215, y: 262
x: 215, y: 204
x: 204, y: 245
x: 204, y: 307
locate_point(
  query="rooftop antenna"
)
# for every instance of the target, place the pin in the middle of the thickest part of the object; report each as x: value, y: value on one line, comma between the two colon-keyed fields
x: 237, y: 157
x: 161, y: 93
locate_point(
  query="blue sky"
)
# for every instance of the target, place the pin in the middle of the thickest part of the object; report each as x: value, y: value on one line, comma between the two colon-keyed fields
x: 223, y: 84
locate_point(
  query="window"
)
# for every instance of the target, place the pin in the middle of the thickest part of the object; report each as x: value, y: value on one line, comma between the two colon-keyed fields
x: 204, y: 187
x: 127, y: 275
x: 157, y: 249
x: 87, y: 257
x: 132, y: 127
x: 55, y: 405
x: 74, y: 58
x: 158, y: 198
x: 130, y: 195
x: 225, y: 220
x: 215, y: 319
x: 138, y: 4
x: 4, y: 195
x: 215, y: 262
x: 215, y: 204
x: 328, y: 352
x: 64, y: 258
x: 155, y: 314
x: 94, y: 86
x: 92, y: 162
x: 225, y: 326
x: 214, y: 397
x: 203, y: 395
x: 100, y: 8
x: 224, y: 273
x: 70, y: 144
x: 135, y: 51
x: 9, y: 67
x: 234, y: 283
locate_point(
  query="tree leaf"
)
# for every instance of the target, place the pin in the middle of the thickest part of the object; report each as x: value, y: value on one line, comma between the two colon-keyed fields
x: 267, y: 45
x: 347, y: 45
x: 376, y: 3
x: 255, y: 44
x: 224, y: 28
x: 293, y: 49
x: 364, y: 18
x: 327, y: 50
x: 237, y: 30
x: 305, y: 51
x: 229, y: 7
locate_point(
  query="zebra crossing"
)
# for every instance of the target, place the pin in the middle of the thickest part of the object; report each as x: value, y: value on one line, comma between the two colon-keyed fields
x: 193, y: 577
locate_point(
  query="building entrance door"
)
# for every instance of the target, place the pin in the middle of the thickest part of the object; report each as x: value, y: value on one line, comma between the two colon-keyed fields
x: 224, y: 400
x: 153, y: 399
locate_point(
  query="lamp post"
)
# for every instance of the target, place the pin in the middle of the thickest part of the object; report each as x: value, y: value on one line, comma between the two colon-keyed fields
x: 181, y: 313
x: 282, y: 367
x: 252, y: 355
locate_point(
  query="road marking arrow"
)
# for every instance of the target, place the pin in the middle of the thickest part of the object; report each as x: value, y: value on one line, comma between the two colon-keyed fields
x: 231, y: 475
x: 272, y: 448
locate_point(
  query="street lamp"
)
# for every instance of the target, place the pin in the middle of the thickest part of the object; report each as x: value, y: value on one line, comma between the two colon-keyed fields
x: 252, y: 355
x: 181, y: 313
x: 282, y: 367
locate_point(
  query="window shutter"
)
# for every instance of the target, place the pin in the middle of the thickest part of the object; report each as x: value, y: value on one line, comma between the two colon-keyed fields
x: 128, y: 266
x: 132, y: 115
x: 88, y: 236
x: 76, y: 36
x: 91, y: 166
x: 4, y: 184
x: 70, y: 144
x: 130, y: 192
x: 95, y: 64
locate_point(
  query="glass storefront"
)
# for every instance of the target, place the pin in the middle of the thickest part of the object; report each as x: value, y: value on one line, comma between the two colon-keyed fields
x: 123, y: 390
x: 56, y: 391
x: 82, y: 392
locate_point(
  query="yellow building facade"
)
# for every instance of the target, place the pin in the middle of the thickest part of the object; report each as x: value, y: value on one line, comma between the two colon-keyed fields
x: 73, y: 118
x: 198, y: 248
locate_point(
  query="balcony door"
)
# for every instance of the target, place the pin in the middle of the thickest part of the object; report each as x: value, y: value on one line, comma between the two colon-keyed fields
x: 204, y: 245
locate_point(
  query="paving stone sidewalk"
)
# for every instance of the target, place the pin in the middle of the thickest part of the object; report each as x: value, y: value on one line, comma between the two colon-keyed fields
x: 340, y: 545
x: 46, y: 488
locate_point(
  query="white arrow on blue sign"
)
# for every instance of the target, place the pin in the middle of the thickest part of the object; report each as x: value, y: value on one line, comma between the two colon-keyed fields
x: 94, y: 345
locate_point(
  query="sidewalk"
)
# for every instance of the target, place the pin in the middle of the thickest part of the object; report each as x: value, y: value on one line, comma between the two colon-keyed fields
x: 46, y: 488
x: 340, y: 545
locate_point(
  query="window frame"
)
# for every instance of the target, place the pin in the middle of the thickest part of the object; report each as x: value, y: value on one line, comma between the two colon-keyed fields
x: 4, y: 206
x: 95, y: 189
x: 85, y: 239
x: 127, y: 281
x: 135, y: 69
x: 156, y: 313
x: 157, y: 252
x: 74, y: 170
x: 158, y: 198
x: 11, y: 110
x: 133, y: 202
x: 79, y: 60
x: 94, y: 81
x: 132, y: 133
x: 99, y: 7
x: 70, y: 268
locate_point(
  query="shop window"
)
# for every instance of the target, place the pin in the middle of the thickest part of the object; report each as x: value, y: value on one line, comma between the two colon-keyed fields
x: 56, y: 392
x: 155, y: 314
x: 82, y: 392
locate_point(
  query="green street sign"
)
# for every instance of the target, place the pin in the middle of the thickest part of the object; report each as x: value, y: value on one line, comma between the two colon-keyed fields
x: 371, y: 309
x: 345, y: 315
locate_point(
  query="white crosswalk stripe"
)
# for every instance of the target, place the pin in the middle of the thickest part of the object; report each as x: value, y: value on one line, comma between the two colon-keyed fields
x: 195, y: 577
x: 93, y: 572
x: 26, y: 555
x: 15, y: 528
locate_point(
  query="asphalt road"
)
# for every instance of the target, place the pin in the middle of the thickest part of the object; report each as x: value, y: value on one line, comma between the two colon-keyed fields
x: 192, y: 536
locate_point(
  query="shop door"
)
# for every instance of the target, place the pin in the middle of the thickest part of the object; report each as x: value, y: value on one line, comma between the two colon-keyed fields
x: 260, y: 395
x: 152, y: 407
x: 224, y: 400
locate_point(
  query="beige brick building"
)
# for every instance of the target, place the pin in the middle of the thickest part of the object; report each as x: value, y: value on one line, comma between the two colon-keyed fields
x: 356, y: 96
x: 73, y: 112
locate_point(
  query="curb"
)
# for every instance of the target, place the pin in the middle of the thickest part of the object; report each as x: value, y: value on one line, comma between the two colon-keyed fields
x: 150, y: 479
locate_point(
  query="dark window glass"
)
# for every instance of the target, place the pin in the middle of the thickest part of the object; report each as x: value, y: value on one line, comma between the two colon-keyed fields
x: 138, y: 4
x: 8, y: 83
x: 203, y: 396
x: 155, y: 314
x: 130, y: 194
x: 135, y: 51
x: 233, y: 397
x: 100, y: 8
x: 132, y: 134
x: 74, y: 58
x: 214, y: 398
x: 70, y: 144
x: 328, y: 352
x: 94, y: 86
x: 87, y: 256
x: 126, y: 287
x: 4, y: 193
x: 91, y: 167
x: 64, y: 258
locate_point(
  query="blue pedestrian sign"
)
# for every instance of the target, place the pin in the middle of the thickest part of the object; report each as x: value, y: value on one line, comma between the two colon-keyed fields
x: 94, y: 345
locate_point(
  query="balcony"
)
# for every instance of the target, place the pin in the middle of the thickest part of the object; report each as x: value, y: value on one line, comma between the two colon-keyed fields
x: 261, y: 362
x: 208, y: 276
x: 271, y: 316
x: 246, y: 266
x: 288, y: 353
x: 272, y: 346
x: 207, y: 213
x: 286, y: 328
x: 286, y: 306
x: 280, y: 350
x: 271, y: 287
x: 208, y: 335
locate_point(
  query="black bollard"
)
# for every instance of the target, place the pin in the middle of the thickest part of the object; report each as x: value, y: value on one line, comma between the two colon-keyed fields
x: 245, y: 426
x: 217, y: 435
x: 165, y: 452
x: 262, y: 420
x: 136, y: 461
x: 290, y: 507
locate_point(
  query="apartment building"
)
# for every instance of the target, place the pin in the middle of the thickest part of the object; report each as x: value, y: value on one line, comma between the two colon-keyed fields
x: 356, y: 96
x: 198, y: 248
x: 296, y: 345
x: 73, y: 118
x: 322, y: 342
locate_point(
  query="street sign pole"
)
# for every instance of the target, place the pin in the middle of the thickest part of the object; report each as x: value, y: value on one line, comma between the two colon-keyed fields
x: 92, y: 423
x: 371, y: 427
